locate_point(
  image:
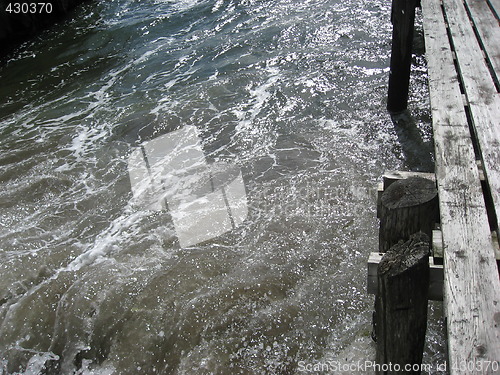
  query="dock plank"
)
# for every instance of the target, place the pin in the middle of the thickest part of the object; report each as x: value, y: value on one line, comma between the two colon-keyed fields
x: 481, y: 93
x: 488, y: 29
x: 495, y: 7
x: 471, y: 283
x: 445, y: 96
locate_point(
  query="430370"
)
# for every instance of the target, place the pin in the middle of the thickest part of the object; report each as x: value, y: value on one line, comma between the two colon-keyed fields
x: 24, y: 8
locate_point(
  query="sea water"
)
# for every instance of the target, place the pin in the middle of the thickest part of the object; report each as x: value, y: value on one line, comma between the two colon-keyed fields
x: 290, y: 94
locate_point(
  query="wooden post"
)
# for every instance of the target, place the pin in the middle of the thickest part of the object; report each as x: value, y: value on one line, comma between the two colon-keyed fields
x: 401, y: 306
x: 403, y: 20
x: 407, y: 206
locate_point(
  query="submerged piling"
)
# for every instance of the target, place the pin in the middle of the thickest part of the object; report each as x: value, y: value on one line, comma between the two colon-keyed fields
x: 408, y: 209
x: 401, y: 305
x: 403, y: 20
x: 407, y: 206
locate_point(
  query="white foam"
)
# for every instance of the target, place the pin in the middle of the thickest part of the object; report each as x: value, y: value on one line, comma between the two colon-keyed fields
x: 259, y: 96
x: 84, y: 142
x: 374, y: 71
x: 37, y: 363
x: 107, y: 241
x: 88, y: 369
x: 217, y: 5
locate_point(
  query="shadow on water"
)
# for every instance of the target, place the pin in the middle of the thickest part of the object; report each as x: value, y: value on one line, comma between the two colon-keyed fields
x: 417, y: 152
x: 18, y: 25
x: 416, y: 140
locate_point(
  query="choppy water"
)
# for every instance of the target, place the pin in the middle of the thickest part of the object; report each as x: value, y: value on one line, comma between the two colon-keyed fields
x: 291, y: 92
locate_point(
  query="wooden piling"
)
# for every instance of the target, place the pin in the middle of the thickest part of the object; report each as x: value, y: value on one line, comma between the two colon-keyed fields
x: 401, y: 306
x: 407, y: 206
x: 408, y: 210
x: 403, y: 20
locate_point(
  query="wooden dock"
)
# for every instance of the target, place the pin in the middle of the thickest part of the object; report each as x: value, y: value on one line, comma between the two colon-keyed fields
x: 462, y: 39
x: 463, y: 55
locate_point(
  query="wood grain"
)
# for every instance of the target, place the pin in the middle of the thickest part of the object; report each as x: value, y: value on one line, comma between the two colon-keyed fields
x: 471, y: 282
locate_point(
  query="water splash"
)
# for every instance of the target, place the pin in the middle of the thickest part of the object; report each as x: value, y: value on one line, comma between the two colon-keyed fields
x: 292, y: 93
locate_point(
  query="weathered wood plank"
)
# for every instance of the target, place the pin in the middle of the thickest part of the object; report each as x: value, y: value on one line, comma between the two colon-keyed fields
x: 437, y: 244
x: 481, y: 93
x: 496, y: 247
x: 471, y: 284
x: 444, y: 90
x: 488, y: 28
x: 495, y: 6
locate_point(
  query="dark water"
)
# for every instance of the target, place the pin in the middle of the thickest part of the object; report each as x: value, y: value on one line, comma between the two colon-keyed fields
x: 292, y: 93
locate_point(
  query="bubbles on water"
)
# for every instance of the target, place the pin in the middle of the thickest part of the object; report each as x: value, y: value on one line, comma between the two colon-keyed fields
x: 291, y: 92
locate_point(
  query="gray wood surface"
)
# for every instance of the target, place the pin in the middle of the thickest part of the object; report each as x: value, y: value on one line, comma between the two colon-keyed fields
x: 445, y: 96
x: 495, y: 6
x: 471, y: 285
x: 480, y: 90
x: 471, y: 281
x: 488, y: 29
